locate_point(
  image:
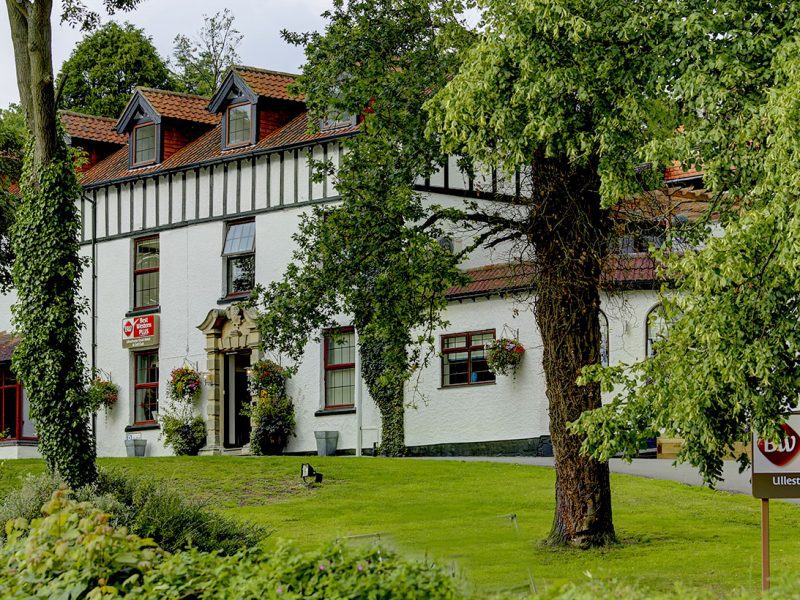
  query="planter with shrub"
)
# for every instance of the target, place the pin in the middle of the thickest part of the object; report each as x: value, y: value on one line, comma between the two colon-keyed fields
x: 182, y: 429
x: 272, y: 411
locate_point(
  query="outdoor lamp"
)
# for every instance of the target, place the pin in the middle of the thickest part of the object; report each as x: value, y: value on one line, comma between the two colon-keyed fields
x: 307, y: 472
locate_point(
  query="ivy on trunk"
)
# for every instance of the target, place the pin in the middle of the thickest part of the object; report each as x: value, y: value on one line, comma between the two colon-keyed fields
x: 44, y: 238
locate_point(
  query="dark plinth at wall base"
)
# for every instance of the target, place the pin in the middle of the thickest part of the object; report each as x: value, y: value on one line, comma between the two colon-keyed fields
x: 538, y: 446
x: 31, y: 443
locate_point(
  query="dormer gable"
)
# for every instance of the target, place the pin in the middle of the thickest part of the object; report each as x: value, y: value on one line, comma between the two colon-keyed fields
x: 252, y: 104
x: 142, y: 123
x: 159, y: 123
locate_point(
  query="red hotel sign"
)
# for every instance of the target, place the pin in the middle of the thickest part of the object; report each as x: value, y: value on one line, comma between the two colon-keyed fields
x: 140, y: 332
x: 776, y: 465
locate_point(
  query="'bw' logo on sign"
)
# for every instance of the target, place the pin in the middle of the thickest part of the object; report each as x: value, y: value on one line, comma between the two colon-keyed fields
x: 781, y: 453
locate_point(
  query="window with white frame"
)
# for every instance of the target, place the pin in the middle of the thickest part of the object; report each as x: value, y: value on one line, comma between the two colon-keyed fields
x: 239, y: 254
x: 144, y: 144
x: 340, y: 367
x: 239, y: 125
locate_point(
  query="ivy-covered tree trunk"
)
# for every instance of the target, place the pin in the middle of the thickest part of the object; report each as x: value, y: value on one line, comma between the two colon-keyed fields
x: 386, y: 389
x: 47, y: 268
x: 568, y: 241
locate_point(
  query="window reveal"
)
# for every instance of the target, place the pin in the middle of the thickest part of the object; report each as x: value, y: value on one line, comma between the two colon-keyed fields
x: 145, y: 385
x: 464, y: 358
x: 340, y: 368
x: 240, y: 258
x: 146, y: 262
x: 239, y: 126
x: 144, y: 144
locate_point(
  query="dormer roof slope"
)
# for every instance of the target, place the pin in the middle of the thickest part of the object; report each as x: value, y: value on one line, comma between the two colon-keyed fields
x: 160, y: 104
x: 176, y: 105
x: 91, y: 128
x: 268, y: 84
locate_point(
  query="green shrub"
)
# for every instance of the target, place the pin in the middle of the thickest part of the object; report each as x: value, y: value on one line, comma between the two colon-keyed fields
x: 146, y: 508
x: 26, y: 502
x: 185, y: 437
x: 73, y: 552
x: 160, y: 513
x: 274, y: 423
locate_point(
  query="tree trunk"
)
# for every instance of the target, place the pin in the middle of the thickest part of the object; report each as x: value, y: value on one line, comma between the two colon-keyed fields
x: 48, y: 266
x: 569, y: 246
x: 386, y: 389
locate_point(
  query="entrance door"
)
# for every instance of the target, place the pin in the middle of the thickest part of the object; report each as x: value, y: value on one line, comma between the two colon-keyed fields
x: 237, y: 426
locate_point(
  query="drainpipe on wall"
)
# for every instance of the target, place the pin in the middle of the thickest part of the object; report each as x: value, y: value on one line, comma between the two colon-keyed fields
x: 93, y: 309
x: 359, y: 396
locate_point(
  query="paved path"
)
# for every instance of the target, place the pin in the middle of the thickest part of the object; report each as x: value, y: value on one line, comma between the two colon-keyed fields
x: 733, y: 481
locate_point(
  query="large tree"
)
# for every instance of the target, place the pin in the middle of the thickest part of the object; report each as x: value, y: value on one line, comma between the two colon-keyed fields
x: 201, y: 62
x: 728, y: 364
x: 47, y: 268
x: 375, y: 257
x: 564, y: 93
x: 104, y: 68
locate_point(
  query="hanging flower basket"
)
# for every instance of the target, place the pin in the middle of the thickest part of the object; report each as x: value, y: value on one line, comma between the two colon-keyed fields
x: 184, y: 384
x: 504, y: 355
x: 102, y: 393
x: 268, y: 376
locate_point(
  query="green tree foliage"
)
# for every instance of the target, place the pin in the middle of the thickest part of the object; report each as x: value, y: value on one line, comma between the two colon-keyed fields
x: 12, y: 146
x: 202, y: 62
x: 44, y: 238
x: 564, y: 92
x: 728, y: 364
x: 375, y: 256
x: 104, y: 68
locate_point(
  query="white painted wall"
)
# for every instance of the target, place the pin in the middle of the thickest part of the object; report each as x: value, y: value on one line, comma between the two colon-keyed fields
x: 191, y: 231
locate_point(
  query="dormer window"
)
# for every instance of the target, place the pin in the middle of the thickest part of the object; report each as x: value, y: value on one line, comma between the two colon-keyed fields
x: 239, y: 125
x: 144, y: 144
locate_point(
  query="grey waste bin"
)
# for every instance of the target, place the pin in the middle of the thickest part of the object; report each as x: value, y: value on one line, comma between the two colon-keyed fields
x: 326, y: 442
x: 135, y: 447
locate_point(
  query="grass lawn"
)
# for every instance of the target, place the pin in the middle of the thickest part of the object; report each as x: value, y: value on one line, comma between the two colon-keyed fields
x: 452, y: 511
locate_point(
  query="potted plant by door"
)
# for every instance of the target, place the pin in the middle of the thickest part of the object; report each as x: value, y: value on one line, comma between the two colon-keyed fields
x: 181, y: 428
x: 272, y: 411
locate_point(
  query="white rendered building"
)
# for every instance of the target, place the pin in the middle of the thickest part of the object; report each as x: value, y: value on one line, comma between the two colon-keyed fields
x: 187, y: 201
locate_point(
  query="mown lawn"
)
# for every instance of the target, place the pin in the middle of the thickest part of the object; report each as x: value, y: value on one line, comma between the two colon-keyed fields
x: 453, y: 512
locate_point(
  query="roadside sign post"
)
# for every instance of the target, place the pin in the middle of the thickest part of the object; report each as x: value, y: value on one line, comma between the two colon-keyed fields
x: 776, y: 474
x: 765, y: 544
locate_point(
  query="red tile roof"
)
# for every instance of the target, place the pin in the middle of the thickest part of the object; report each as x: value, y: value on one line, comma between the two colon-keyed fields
x: 675, y: 172
x: 630, y: 269
x: 491, y: 279
x: 175, y: 105
x: 90, y: 127
x: 268, y: 84
x: 207, y: 148
x: 494, y: 278
x: 7, y: 344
